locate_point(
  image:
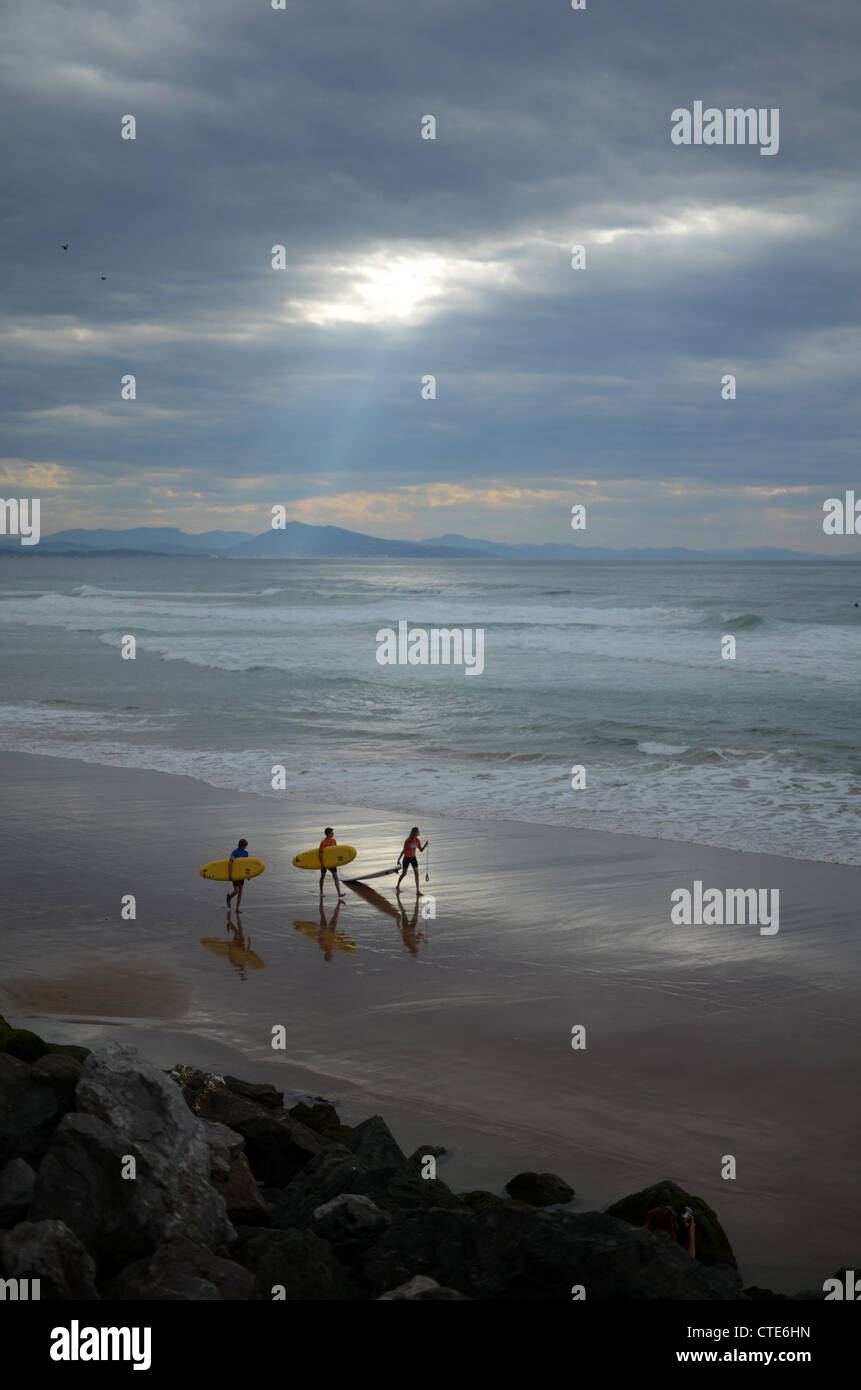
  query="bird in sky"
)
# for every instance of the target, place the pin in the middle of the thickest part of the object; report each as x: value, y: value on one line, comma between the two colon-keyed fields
x: 65, y: 245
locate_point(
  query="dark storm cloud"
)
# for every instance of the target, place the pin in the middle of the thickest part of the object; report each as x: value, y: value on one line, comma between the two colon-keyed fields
x: 257, y: 127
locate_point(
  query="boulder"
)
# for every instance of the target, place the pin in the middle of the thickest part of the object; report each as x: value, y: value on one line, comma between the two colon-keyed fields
x: 261, y: 1092
x: 418, y: 1156
x: 62, y: 1073
x: 230, y: 1175
x: 421, y: 1289
x: 513, y: 1253
x: 479, y: 1200
x: 712, y: 1245
x: 79, y: 1182
x: 346, y: 1217
x: 323, y: 1119
x: 277, y: 1146
x: 127, y: 1107
x: 21, y: 1043
x: 80, y: 1054
x: 374, y: 1145
x: 329, y: 1174
x: 180, y: 1271
x: 539, y: 1189
x: 406, y: 1189
x: 297, y: 1261
x: 16, y: 1191
x: 29, y: 1111
x: 50, y: 1252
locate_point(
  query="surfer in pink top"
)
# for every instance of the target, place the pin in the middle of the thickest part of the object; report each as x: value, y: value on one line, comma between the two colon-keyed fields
x: 412, y: 846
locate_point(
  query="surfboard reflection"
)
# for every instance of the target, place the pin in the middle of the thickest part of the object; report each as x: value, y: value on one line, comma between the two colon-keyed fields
x: 323, y: 932
x: 237, y: 950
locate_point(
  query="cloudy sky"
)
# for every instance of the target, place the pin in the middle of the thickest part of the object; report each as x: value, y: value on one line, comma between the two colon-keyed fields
x: 451, y: 257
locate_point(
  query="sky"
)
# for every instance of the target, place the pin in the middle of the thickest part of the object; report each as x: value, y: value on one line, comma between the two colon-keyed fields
x: 408, y: 257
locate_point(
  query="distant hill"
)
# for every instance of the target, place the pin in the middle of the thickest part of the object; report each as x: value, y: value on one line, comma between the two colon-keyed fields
x: 576, y: 551
x: 155, y: 540
x: 298, y: 540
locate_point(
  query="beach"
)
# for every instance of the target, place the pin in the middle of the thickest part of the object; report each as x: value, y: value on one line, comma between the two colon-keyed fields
x: 701, y: 1041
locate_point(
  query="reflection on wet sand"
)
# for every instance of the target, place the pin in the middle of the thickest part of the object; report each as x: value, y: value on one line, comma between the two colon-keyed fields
x: 406, y: 921
x: 237, y: 950
x: 105, y: 990
x: 324, y: 933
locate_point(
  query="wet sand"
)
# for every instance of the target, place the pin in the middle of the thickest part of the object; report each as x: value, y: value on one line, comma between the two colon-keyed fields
x: 701, y: 1041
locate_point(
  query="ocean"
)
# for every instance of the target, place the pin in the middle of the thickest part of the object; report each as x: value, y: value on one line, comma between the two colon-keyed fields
x: 243, y: 666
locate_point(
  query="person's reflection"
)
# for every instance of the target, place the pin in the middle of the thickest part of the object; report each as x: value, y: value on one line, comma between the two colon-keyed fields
x: 326, y: 939
x: 237, y: 949
x: 409, y: 935
x: 326, y: 936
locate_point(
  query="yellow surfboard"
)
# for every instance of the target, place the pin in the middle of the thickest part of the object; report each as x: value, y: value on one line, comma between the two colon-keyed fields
x: 333, y: 857
x: 231, y: 871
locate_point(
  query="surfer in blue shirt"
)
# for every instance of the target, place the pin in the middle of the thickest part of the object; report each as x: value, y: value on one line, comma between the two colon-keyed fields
x: 241, y: 852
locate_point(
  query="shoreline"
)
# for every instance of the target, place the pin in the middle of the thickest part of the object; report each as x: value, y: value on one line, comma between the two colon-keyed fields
x: 460, y: 1027
x: 361, y: 810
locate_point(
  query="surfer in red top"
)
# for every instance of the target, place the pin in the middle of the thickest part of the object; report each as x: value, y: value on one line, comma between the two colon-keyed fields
x: 412, y: 846
x: 329, y: 839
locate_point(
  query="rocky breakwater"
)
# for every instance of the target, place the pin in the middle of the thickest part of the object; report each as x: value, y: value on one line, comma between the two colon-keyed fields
x: 120, y: 1181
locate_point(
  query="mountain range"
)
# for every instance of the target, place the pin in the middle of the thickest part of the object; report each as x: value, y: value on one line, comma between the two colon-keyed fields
x: 301, y: 541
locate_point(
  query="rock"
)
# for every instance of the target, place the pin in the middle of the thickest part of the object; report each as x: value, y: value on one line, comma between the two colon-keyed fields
x: 406, y: 1189
x: 50, y: 1252
x: 323, y: 1119
x: 195, y: 1085
x: 277, y: 1146
x: 712, y: 1245
x: 79, y: 1182
x: 263, y: 1094
x: 345, y: 1217
x: 418, y: 1156
x: 374, y: 1145
x: 16, y: 1191
x: 29, y: 1111
x: 21, y: 1043
x: 539, y: 1189
x: 179, y: 1271
x: 62, y: 1073
x: 329, y: 1174
x: 480, y: 1200
x: 80, y: 1054
x: 299, y: 1262
x: 230, y: 1175
x: 127, y: 1107
x: 514, y: 1253
x: 420, y: 1289
x: 759, y: 1295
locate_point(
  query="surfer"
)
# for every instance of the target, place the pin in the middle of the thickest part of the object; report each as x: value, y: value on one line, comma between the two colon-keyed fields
x: 329, y: 839
x: 241, y: 852
x: 412, y: 845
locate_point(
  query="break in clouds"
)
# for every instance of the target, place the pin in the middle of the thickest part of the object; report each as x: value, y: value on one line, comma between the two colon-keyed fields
x: 452, y: 256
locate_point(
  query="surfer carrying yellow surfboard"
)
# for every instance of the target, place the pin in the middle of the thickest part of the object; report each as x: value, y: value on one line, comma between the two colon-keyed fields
x: 412, y: 846
x: 241, y: 852
x: 329, y: 839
